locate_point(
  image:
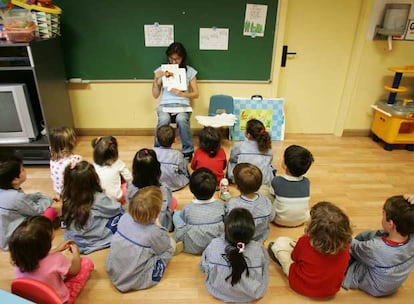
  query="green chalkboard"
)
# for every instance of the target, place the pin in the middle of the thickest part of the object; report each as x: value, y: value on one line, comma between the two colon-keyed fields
x: 104, y: 39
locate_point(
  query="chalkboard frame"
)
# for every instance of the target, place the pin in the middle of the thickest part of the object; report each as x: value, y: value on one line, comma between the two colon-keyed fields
x: 104, y: 39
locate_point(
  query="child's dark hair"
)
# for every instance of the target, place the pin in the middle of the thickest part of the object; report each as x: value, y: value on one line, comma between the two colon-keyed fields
x: 10, y: 167
x: 238, y: 232
x: 80, y: 183
x: 105, y: 150
x: 257, y: 131
x: 210, y: 140
x: 247, y: 177
x: 179, y: 49
x: 31, y: 242
x: 329, y: 228
x: 62, y: 142
x: 145, y: 205
x: 297, y: 160
x: 166, y: 136
x: 146, y: 169
x: 401, y: 212
x: 203, y: 183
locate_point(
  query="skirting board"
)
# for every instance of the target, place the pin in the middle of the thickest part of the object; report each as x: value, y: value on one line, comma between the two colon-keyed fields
x: 119, y: 132
x: 196, y: 131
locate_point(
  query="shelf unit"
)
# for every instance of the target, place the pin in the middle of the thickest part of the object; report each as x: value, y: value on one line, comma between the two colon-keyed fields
x: 38, y: 64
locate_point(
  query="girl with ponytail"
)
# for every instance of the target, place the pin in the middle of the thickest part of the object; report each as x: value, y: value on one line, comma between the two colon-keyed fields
x: 256, y: 150
x: 236, y: 266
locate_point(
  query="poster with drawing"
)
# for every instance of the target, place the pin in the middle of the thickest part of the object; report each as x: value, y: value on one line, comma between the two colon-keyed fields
x: 255, y: 20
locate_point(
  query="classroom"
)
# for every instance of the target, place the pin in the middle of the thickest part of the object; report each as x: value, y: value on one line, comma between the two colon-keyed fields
x: 336, y: 71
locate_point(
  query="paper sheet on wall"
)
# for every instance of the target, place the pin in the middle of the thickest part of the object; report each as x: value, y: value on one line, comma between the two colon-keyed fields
x: 410, y: 30
x: 177, y: 80
x: 214, y: 39
x: 255, y: 20
x: 157, y: 35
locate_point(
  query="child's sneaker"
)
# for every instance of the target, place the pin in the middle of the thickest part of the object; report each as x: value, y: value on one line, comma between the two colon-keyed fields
x: 224, y: 190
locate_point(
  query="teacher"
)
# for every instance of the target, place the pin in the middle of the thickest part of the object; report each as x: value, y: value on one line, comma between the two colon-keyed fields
x: 175, y: 104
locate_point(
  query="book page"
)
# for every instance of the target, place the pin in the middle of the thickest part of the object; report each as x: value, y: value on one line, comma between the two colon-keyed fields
x: 177, y: 80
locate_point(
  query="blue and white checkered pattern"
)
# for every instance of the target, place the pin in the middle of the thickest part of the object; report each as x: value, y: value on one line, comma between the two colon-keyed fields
x: 273, y: 105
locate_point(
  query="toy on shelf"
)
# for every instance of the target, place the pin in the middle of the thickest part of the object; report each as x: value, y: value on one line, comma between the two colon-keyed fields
x: 45, y: 14
x: 38, y: 5
x: 394, y: 119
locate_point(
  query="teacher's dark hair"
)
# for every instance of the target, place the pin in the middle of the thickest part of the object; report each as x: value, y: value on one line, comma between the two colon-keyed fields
x: 179, y: 49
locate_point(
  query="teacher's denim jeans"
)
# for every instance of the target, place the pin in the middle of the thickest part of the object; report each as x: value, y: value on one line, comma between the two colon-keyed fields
x: 183, y: 125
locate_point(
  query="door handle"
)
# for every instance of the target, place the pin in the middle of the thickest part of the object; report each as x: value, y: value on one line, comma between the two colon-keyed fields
x: 285, y: 53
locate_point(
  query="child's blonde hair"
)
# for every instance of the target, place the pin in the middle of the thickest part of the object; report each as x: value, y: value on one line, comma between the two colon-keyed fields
x: 62, y: 142
x: 145, y: 205
x: 329, y: 228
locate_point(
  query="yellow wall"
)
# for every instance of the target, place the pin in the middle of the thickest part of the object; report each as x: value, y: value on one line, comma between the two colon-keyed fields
x: 130, y: 105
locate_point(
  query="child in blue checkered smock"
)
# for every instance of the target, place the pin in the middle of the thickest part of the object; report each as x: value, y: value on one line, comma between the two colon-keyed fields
x: 236, y: 267
x: 90, y: 216
x: 201, y: 220
x: 174, y: 173
x: 256, y: 150
x: 141, y: 248
x: 248, y: 180
x: 146, y: 171
x: 382, y: 260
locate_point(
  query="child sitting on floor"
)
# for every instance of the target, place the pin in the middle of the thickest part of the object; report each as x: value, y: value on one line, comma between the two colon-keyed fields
x: 201, y: 220
x: 382, y: 260
x: 30, y: 251
x: 15, y: 205
x: 141, y: 248
x: 236, y: 267
x: 174, y: 173
x: 113, y: 173
x: 292, y: 190
x: 315, y: 265
x: 248, y: 179
x: 90, y: 216
x: 62, y: 143
x: 146, y: 171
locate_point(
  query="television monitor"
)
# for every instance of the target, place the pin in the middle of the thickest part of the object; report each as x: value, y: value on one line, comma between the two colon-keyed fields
x: 17, y: 121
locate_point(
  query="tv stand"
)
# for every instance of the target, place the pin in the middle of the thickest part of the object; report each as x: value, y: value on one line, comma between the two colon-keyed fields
x: 38, y: 64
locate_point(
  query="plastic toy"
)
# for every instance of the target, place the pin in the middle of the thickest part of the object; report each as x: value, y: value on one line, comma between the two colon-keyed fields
x: 39, y: 5
x: 394, y: 119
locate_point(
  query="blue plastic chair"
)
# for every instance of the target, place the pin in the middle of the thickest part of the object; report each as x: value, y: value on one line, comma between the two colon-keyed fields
x: 221, y: 104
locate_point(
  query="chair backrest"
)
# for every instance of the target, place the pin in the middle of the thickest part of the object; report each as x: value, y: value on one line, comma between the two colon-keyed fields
x: 220, y: 104
x: 35, y: 291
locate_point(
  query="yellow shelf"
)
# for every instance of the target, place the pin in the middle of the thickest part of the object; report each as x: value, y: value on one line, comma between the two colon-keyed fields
x: 406, y: 69
x: 400, y: 89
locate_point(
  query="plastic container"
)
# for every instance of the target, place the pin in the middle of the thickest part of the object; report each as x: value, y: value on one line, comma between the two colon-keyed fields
x: 393, y: 129
x: 17, y: 19
x: 20, y: 35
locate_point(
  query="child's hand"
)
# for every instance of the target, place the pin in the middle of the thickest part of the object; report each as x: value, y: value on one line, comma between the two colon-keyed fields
x: 57, y: 205
x: 62, y: 246
x: 409, y: 197
x: 74, y: 249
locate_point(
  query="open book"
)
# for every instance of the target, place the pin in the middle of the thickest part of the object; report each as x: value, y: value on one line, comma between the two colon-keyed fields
x: 177, y: 78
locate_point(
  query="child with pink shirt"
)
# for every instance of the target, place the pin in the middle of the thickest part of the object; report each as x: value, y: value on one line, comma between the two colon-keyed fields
x: 66, y: 276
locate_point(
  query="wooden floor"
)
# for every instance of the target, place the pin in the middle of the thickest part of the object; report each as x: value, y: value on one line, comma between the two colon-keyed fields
x: 355, y: 173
